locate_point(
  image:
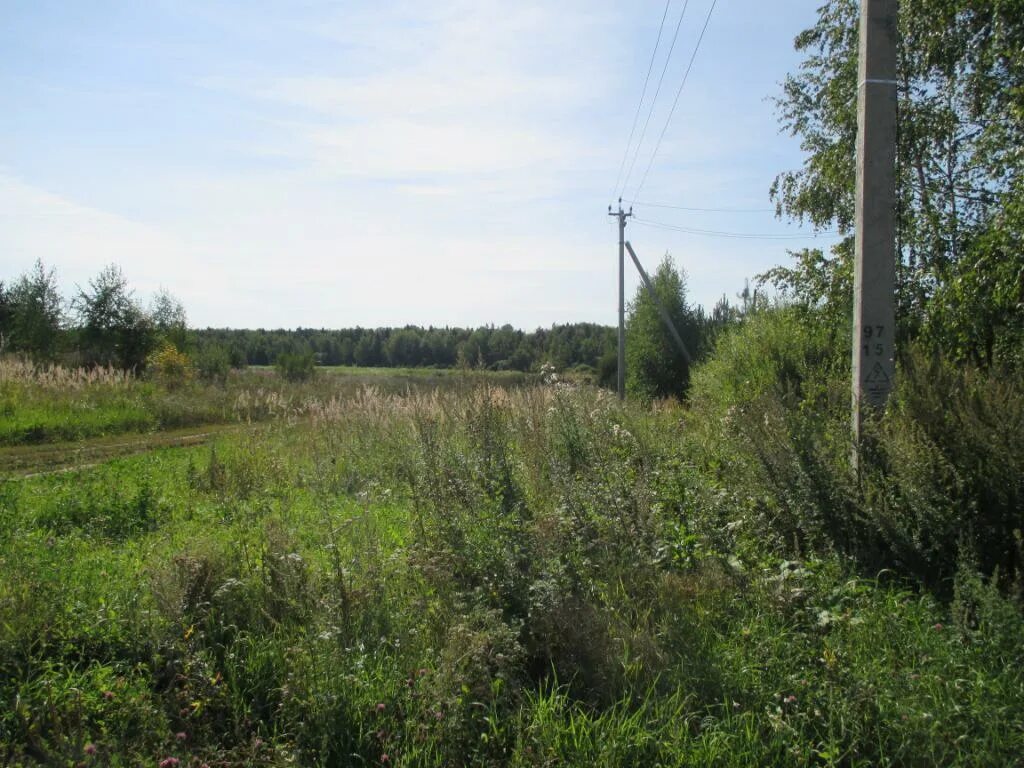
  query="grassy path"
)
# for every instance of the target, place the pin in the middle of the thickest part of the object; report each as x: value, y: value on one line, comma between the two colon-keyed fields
x: 35, y: 460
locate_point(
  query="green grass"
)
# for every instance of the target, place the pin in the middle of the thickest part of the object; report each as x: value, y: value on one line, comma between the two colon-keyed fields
x: 469, y: 577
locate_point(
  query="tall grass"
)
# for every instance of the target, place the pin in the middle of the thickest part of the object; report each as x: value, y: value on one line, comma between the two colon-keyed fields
x: 489, y: 576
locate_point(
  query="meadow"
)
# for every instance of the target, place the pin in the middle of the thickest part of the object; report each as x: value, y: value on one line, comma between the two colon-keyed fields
x: 49, y: 403
x: 523, y: 575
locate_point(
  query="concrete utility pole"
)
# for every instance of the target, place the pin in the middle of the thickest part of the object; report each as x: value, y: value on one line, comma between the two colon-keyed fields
x: 621, y: 376
x: 875, y: 235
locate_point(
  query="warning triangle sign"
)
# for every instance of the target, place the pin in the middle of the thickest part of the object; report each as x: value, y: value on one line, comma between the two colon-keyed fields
x: 877, y: 375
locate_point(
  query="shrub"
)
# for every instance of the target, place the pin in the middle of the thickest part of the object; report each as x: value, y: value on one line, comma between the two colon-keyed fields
x: 296, y: 366
x: 213, y: 363
x: 170, y: 367
x: 943, y: 467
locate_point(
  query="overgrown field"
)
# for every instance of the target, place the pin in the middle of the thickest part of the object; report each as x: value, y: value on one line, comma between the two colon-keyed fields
x: 536, y: 576
x: 44, y: 404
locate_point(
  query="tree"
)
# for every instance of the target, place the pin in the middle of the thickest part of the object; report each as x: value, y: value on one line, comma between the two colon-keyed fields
x: 403, y: 348
x: 33, y: 314
x: 959, y: 181
x: 114, y: 329
x: 6, y: 314
x: 654, y: 365
x: 169, y: 318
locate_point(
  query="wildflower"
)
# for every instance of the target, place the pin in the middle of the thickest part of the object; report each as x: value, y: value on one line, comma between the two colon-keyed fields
x: 90, y: 749
x: 181, y: 735
x: 170, y: 762
x: 380, y: 707
x: 937, y: 626
x: 791, y: 699
x: 384, y: 758
x: 108, y: 695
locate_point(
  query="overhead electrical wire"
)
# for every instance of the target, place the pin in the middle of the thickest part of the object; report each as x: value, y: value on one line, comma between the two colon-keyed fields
x: 654, y: 101
x: 643, y: 92
x: 733, y: 235
x: 679, y: 92
x: 701, y: 210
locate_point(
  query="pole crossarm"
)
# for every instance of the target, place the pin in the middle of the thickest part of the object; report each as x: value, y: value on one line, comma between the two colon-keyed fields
x: 661, y: 309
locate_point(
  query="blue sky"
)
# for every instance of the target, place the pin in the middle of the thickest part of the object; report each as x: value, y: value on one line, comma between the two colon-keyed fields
x: 334, y: 164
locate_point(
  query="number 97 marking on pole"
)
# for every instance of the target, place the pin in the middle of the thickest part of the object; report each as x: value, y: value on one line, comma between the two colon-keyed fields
x: 873, y: 332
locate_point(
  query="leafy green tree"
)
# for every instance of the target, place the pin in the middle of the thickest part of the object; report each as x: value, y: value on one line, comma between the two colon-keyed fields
x: 473, y: 351
x: 6, y: 311
x: 367, y: 350
x: 113, y: 328
x: 961, y: 124
x: 34, y: 315
x: 169, y: 318
x: 655, y: 367
x: 403, y: 348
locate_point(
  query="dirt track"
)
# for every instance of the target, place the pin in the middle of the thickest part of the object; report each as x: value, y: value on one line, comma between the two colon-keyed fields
x: 22, y: 462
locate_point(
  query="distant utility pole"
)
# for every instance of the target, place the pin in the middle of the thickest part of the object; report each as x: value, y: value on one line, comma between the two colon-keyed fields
x: 621, y: 375
x: 875, y: 234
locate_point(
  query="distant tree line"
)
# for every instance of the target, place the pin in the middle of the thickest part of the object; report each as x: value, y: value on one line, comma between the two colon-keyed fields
x: 104, y: 323
x: 489, y: 347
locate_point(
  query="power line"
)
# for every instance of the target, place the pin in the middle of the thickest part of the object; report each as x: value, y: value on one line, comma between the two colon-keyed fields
x: 701, y: 210
x: 733, y: 235
x: 679, y: 92
x: 643, y: 92
x: 654, y: 101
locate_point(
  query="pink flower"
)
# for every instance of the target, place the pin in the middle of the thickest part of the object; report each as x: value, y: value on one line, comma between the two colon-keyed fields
x: 791, y: 699
x: 169, y: 762
x: 108, y: 695
x: 181, y: 735
x: 937, y: 626
x: 384, y: 758
x: 90, y: 749
x: 380, y: 707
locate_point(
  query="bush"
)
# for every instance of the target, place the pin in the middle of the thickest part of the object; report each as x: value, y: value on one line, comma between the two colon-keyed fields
x: 213, y: 363
x: 296, y: 366
x: 942, y: 468
x: 170, y: 367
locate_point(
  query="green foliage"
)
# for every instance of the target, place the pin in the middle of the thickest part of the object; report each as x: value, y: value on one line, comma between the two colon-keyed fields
x: 168, y: 316
x: 941, y: 470
x: 114, y: 329
x: 213, y: 362
x: 947, y: 470
x: 296, y: 366
x: 170, y: 367
x: 490, y: 347
x: 31, y: 314
x: 961, y: 122
x: 655, y: 367
x: 541, y: 575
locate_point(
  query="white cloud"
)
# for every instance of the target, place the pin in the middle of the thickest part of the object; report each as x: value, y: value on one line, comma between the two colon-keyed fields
x: 457, y: 88
x: 79, y: 240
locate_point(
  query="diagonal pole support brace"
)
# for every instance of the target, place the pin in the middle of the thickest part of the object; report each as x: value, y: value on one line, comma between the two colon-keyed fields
x: 661, y: 310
